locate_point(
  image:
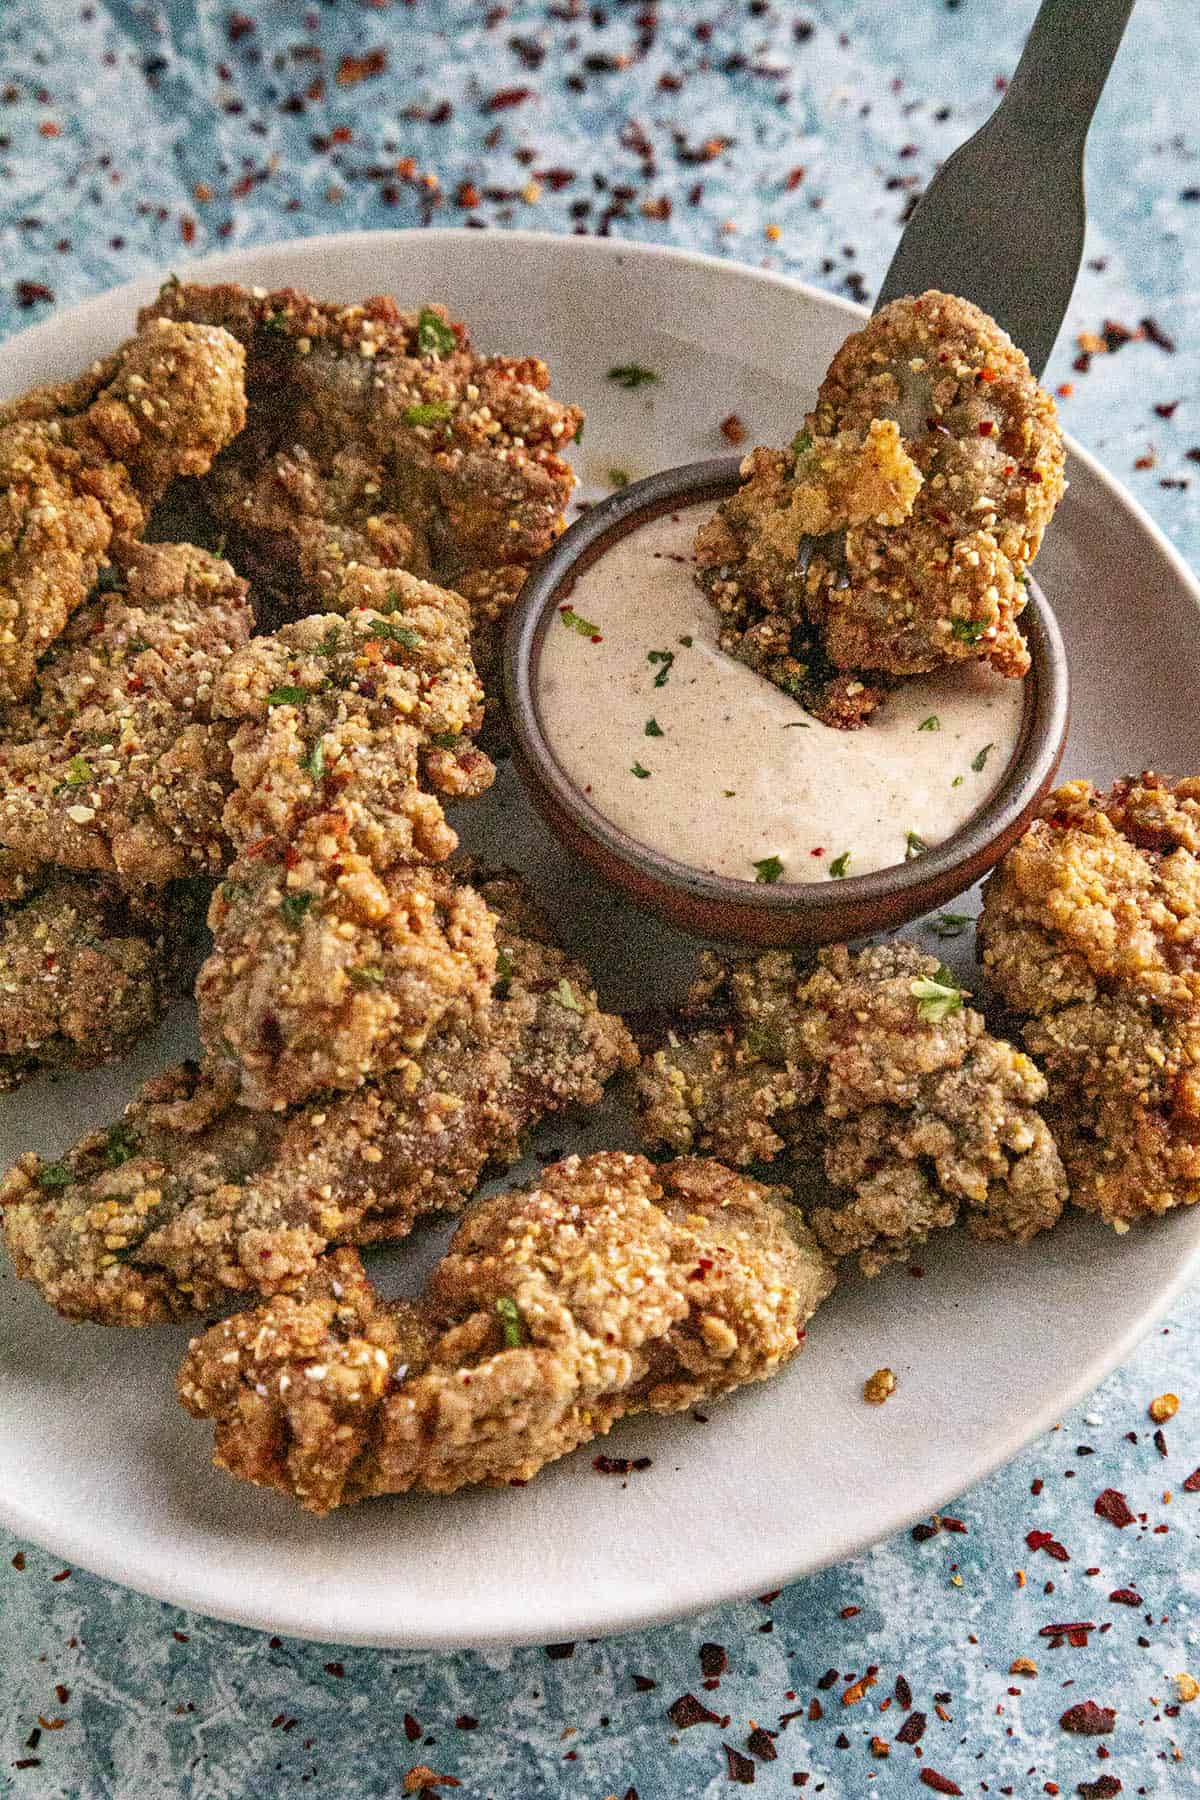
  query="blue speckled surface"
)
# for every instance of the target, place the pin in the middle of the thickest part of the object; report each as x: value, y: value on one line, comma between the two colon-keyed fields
x: 132, y: 136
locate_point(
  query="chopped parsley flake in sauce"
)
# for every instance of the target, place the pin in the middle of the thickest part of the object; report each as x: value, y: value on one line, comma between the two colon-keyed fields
x: 295, y: 904
x: 653, y: 728
x: 932, y: 723
x: 573, y: 622
x: 978, y: 763
x: 949, y: 925
x: 398, y: 634
x: 631, y: 375
x: 968, y: 631
x: 119, y: 1145
x: 428, y: 412
x: 802, y: 443
x: 564, y: 993
x: 936, y: 998
x: 315, y: 761
x: 511, y: 1323
x: 79, y: 771
x: 665, y: 659
x: 839, y: 865
x: 54, y: 1175
x: 434, y: 336
x: 367, y: 976
x: 618, y: 478
x: 768, y: 869
x: 642, y: 774
x: 288, y: 696
x: 913, y: 845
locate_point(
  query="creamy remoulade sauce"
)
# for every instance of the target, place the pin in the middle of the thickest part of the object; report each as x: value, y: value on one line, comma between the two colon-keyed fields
x: 696, y: 756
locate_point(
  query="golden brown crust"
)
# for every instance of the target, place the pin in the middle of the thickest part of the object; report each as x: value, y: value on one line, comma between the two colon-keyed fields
x: 1091, y: 935
x: 607, y: 1288
x: 894, y: 535
x: 872, y: 1068
x: 209, y: 1198
x: 83, y: 463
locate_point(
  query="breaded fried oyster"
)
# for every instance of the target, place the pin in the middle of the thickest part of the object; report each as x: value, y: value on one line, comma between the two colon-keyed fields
x: 115, y: 764
x: 83, y: 462
x: 608, y: 1288
x: 380, y: 440
x: 872, y: 1067
x: 190, y: 1198
x: 1091, y: 934
x: 893, y: 535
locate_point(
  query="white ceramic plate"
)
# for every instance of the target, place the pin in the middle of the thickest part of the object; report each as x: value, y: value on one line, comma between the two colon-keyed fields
x: 98, y: 1463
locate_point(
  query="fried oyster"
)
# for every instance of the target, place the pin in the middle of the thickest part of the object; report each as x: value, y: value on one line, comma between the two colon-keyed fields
x: 82, y: 463
x: 1091, y: 935
x: 190, y: 1198
x: 893, y: 535
x: 871, y: 1066
x: 115, y: 763
x: 334, y: 956
x: 380, y: 440
x: 608, y: 1288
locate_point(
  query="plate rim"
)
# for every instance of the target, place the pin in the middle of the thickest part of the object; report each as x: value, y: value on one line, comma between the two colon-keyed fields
x: 606, y: 1617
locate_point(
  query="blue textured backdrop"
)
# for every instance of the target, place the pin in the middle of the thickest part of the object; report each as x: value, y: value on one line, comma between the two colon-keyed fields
x: 133, y: 136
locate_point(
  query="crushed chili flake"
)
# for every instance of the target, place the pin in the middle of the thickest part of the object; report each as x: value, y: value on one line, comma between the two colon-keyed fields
x: 762, y: 1743
x: 687, y: 1711
x: 467, y: 1722
x: 644, y: 1684
x: 18, y: 1561
x: 1022, y: 1665
x: 858, y: 1690
x: 1045, y: 1540
x: 420, y: 1777
x: 335, y: 1668
x: 1191, y: 1484
x: 412, y: 1729
x: 815, y: 1710
x: 1125, y: 1597
x: 739, y: 1768
x: 941, y: 1784
x: 732, y: 429
x: 1152, y: 330
x: 849, y: 1612
x: 827, y: 1680
x: 1113, y: 1506
x: 903, y: 1693
x: 620, y: 1465
x: 714, y: 1660
x: 913, y: 1729
x: 559, y: 1652
x: 1103, y: 1788
x: 1087, y: 1719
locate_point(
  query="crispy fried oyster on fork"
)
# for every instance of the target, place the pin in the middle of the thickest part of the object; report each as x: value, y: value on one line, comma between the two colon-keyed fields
x: 1091, y: 934
x: 380, y: 440
x: 82, y: 463
x: 191, y: 1198
x: 893, y: 536
x: 335, y: 957
x: 872, y: 1066
x: 610, y: 1287
x: 115, y: 763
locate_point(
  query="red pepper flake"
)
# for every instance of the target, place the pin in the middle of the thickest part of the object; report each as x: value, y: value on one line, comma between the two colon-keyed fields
x: 827, y: 1680
x: 714, y: 1660
x: 1036, y: 1485
x: 62, y: 1694
x: 1113, y: 1506
x: 913, y: 1729
x: 923, y: 1532
x: 815, y: 1710
x: 18, y: 1561
x: 28, y: 1762
x: 412, y: 1729
x: 30, y: 292
x: 903, y: 1693
x: 849, y: 1612
x: 560, y: 1652
x: 1192, y: 1483
x: 738, y: 1768
x: 420, y: 1777
x: 688, y: 1711
x: 941, y: 1784
x: 619, y: 1465
x: 181, y: 1637
x: 1103, y: 1788
x: 1082, y: 1626
x: 467, y: 1722
x: 1125, y: 1597
x: 63, y: 1575
x: 353, y: 69
x: 1045, y: 1540
x: 336, y: 1669
x: 732, y: 429
x: 1087, y: 1719
x: 1154, y: 331
x: 1160, y: 1441
x: 504, y: 98
x: 643, y: 1684
x: 1166, y: 408
x: 762, y: 1743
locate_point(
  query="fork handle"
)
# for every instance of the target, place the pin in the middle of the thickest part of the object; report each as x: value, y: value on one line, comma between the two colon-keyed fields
x: 1064, y: 66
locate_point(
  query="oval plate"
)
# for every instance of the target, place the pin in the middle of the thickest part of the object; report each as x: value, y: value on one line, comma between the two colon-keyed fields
x: 98, y: 1463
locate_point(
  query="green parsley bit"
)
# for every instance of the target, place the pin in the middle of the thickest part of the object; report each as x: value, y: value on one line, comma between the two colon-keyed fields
x: 949, y: 925
x: 768, y: 869
x: 957, y: 782
x: 686, y: 642
x: 968, y: 631
x: 642, y: 774
x: 665, y: 658
x: 429, y: 412
x: 399, y: 634
x: 504, y: 963
x: 367, y: 976
x: 445, y: 740
x: 234, y: 890
x: 331, y: 643
x: 510, y: 1323
x: 631, y: 375
x: 564, y: 993
x: 276, y: 322
x: 434, y: 336
x: 315, y: 761
x: 802, y: 443
x: 839, y: 865
x: 574, y: 622
x: 54, y: 1175
x: 795, y: 725
x: 108, y: 581
x: 936, y: 998
x: 618, y: 478
x: 978, y: 762
x: 295, y: 904
x: 120, y: 1144
x: 578, y: 438
x: 79, y: 771
x: 287, y: 696
x: 653, y: 728
x: 729, y: 793
x: 932, y: 723
x: 913, y: 845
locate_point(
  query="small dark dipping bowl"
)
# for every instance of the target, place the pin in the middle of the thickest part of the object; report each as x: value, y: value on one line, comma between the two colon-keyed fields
x: 716, y: 906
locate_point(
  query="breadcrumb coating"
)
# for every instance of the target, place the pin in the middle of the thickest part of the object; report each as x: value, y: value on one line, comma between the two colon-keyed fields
x: 1091, y: 935
x: 82, y: 463
x: 84, y: 972
x: 203, y: 1199
x: 379, y: 440
x: 873, y: 1067
x: 894, y: 534
x: 608, y: 1288
x: 115, y: 764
